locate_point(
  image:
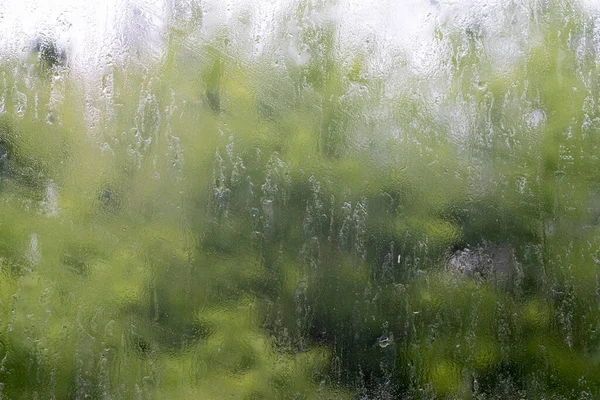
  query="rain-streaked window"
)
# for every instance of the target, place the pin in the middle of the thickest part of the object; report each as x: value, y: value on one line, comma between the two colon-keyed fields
x: 300, y: 199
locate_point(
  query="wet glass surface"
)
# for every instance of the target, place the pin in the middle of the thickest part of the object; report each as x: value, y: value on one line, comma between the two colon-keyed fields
x: 304, y: 199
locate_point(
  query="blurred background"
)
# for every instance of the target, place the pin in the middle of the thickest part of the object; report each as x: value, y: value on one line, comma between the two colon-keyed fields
x: 310, y: 199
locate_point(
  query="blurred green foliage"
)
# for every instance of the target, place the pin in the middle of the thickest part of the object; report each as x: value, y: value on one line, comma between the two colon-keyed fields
x: 214, y: 225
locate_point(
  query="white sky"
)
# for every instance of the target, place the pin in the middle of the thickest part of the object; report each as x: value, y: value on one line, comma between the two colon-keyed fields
x: 89, y: 27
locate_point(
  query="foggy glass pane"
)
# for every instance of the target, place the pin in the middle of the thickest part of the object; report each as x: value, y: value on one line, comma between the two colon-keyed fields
x: 300, y: 199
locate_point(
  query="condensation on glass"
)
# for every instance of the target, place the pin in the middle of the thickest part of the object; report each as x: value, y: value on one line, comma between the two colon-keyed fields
x: 309, y: 199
